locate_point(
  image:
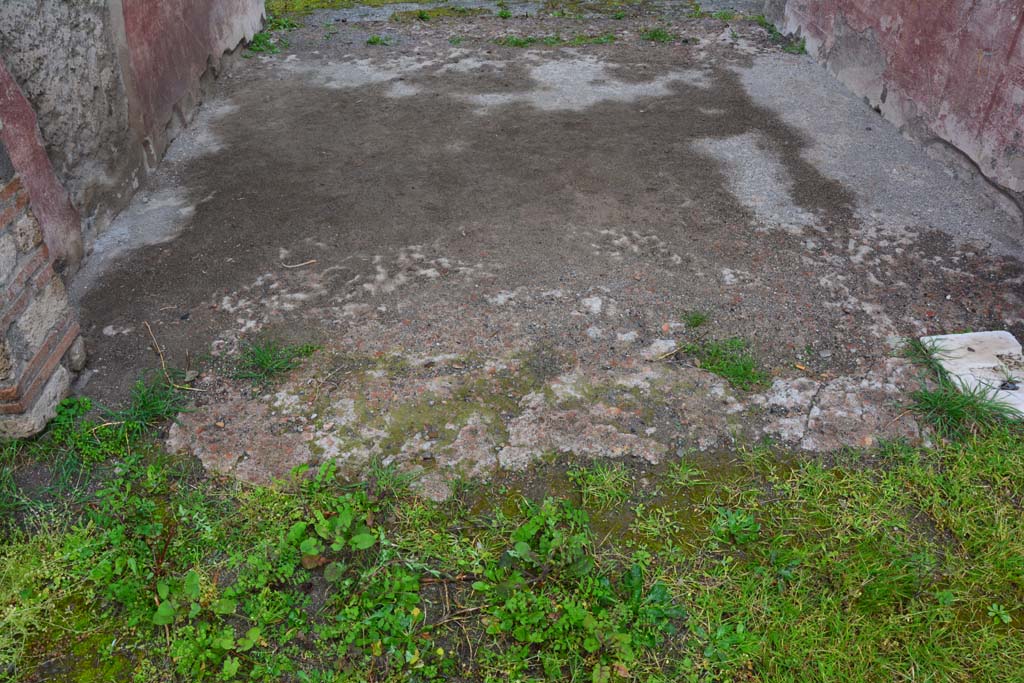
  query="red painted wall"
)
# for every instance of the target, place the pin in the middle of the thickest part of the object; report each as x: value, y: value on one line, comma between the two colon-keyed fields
x: 954, y: 67
x: 20, y: 135
x: 170, y: 44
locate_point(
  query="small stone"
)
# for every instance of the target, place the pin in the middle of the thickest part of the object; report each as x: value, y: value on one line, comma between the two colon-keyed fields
x: 76, y: 355
x: 218, y: 424
x: 659, y: 348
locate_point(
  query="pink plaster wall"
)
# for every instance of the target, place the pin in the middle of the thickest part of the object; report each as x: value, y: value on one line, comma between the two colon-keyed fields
x: 19, y: 133
x: 949, y: 68
x: 171, y: 43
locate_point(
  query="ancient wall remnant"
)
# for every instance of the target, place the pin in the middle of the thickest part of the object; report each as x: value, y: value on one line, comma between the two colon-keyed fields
x: 948, y: 72
x: 91, y: 94
x: 112, y: 81
x: 37, y: 326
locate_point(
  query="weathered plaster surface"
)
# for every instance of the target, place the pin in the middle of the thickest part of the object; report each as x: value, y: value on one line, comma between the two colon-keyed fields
x: 170, y: 45
x: 63, y: 57
x: 20, y: 137
x: 944, y: 70
x: 112, y: 81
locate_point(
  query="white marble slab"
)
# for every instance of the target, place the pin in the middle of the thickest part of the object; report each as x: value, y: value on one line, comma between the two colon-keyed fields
x: 992, y: 360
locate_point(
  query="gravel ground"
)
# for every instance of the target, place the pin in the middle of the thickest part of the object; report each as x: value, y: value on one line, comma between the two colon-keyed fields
x: 496, y: 246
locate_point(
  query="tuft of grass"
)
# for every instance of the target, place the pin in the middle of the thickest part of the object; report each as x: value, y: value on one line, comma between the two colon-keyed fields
x: 427, y: 15
x: 262, y: 363
x: 658, y: 35
x: 264, y: 42
x: 928, y: 355
x: 954, y: 410
x: 724, y: 15
x: 280, y: 23
x: 302, y: 7
x: 796, y: 47
x: 697, y: 11
x: 598, y: 39
x: 695, y: 319
x: 730, y: 359
x: 154, y: 402
x: 504, y: 13
x: 602, y: 485
x: 517, y: 41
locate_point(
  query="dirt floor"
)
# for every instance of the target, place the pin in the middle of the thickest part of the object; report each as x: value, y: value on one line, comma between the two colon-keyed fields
x: 496, y: 249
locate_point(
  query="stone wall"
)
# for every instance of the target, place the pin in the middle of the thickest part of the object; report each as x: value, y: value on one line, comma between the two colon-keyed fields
x: 37, y: 326
x: 91, y: 94
x: 112, y: 81
x: 950, y: 73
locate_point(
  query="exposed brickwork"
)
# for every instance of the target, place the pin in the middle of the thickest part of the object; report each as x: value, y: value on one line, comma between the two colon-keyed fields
x: 37, y: 326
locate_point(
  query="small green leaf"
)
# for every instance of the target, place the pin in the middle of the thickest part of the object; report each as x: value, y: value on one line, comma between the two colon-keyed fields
x: 334, y: 572
x: 162, y: 589
x: 363, y: 541
x: 224, y: 606
x: 296, y: 533
x: 231, y: 665
x: 164, y: 615
x: 192, y: 588
x: 311, y: 546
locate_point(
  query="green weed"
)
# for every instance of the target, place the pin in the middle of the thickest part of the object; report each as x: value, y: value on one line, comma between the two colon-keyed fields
x: 379, y: 40
x: 952, y: 409
x: 796, y: 47
x: 695, y: 319
x: 263, y: 362
x: 730, y: 359
x: 517, y: 41
x: 602, y: 485
x: 658, y: 35
x: 504, y: 14
x: 300, y: 7
x: 724, y: 15
x: 427, y: 15
x: 280, y: 23
x: 906, y: 561
x: 264, y: 42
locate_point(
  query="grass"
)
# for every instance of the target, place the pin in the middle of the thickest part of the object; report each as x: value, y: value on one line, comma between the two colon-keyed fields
x: 602, y: 485
x: 902, y: 562
x: 899, y: 563
x: 730, y: 359
x: 427, y: 15
x: 796, y: 47
x: 264, y: 42
x: 276, y: 23
x: 953, y: 410
x: 263, y: 362
x: 378, y: 40
x: 557, y: 39
x: 695, y: 319
x: 658, y: 35
x: 792, y: 46
x: 300, y: 7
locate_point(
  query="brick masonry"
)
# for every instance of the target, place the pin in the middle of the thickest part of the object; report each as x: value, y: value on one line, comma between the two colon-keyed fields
x: 37, y: 325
